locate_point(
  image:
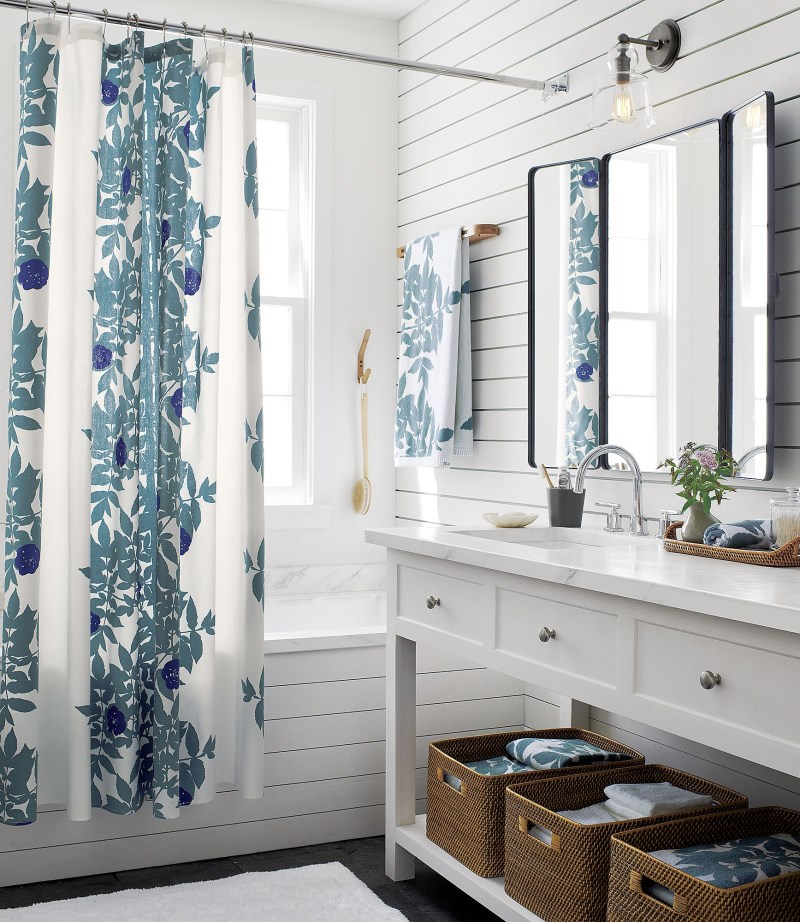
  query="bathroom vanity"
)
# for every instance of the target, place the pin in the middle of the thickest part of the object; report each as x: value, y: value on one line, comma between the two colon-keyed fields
x: 706, y: 650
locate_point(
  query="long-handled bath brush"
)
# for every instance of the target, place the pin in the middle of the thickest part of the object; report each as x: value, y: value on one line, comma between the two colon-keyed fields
x: 362, y: 491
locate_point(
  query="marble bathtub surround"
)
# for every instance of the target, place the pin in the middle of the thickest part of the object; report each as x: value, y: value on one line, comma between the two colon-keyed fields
x: 310, y: 580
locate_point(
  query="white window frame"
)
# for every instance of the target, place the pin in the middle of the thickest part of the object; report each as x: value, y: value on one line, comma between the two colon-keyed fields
x: 307, y: 504
x: 298, y: 115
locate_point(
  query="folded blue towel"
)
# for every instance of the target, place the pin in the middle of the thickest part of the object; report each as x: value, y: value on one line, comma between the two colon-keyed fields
x: 750, y: 534
x: 737, y: 862
x: 499, y: 765
x: 552, y: 753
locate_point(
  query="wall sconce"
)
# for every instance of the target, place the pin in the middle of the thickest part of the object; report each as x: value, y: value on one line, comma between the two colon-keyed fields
x: 623, y: 95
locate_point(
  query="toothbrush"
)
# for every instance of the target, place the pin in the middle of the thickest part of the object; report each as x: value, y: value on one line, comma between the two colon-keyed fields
x: 546, y: 476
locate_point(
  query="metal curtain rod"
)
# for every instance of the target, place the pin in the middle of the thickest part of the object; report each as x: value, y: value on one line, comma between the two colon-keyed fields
x: 548, y: 87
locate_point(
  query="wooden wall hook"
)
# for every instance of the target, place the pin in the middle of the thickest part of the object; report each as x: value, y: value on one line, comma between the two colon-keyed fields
x: 362, y: 375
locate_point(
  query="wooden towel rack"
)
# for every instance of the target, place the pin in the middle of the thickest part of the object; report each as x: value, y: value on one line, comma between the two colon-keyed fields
x: 473, y: 233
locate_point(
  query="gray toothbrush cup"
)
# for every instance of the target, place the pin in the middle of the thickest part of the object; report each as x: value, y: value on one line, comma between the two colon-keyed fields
x: 565, y: 508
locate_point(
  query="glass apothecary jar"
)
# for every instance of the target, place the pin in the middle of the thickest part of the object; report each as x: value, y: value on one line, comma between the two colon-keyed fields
x: 786, y: 516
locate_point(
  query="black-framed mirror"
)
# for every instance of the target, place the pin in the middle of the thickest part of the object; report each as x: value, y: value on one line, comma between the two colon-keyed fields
x: 563, y: 311
x: 680, y: 286
x: 748, y: 398
x: 663, y: 293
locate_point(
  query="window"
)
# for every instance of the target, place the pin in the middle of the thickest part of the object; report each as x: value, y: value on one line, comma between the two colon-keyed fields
x: 285, y: 133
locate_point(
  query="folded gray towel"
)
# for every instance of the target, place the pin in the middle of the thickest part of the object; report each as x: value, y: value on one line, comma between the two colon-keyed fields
x: 654, y: 799
x: 750, y: 534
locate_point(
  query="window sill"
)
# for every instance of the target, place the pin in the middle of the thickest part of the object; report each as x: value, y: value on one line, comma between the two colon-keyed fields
x: 301, y: 515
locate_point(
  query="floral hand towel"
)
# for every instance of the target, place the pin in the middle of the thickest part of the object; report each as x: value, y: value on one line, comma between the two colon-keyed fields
x: 752, y: 534
x: 434, y: 390
x: 547, y: 753
x: 737, y: 862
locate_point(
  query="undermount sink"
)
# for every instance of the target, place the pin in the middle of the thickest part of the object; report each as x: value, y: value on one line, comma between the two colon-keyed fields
x: 547, y: 539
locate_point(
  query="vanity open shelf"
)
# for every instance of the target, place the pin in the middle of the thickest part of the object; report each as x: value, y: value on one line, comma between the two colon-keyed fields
x: 677, y: 643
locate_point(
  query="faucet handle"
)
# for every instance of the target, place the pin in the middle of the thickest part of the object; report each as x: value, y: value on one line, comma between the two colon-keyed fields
x: 613, y: 518
x: 665, y: 519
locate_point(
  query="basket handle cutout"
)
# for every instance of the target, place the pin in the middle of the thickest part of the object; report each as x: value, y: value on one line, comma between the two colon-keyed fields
x: 455, y: 784
x: 540, y: 833
x: 662, y: 895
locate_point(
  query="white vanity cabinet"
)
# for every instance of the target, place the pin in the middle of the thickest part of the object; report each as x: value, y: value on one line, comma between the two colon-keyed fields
x: 723, y: 669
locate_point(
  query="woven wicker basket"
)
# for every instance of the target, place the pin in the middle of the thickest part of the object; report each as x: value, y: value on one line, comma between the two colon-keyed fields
x: 567, y: 879
x: 773, y: 900
x: 468, y: 824
x: 786, y: 556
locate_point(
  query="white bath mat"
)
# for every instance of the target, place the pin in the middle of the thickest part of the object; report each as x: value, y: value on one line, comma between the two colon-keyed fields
x: 319, y: 891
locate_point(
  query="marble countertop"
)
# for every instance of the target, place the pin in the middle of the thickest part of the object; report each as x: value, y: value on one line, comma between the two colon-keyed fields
x: 633, y: 568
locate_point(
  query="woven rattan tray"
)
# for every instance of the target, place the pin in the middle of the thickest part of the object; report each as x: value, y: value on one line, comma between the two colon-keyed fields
x: 786, y: 556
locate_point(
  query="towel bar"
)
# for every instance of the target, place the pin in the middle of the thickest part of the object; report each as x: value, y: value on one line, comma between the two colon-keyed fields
x: 473, y: 233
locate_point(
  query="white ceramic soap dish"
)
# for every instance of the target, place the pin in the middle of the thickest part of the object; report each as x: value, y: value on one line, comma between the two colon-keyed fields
x: 509, y: 519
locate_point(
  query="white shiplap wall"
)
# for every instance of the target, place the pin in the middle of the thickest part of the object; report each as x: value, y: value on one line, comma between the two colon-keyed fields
x: 324, y: 768
x: 465, y: 151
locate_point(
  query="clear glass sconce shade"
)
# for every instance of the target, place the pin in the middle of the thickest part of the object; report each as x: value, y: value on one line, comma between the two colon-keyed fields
x: 622, y: 95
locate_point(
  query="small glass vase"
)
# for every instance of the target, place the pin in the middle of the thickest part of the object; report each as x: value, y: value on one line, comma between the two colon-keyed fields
x: 695, y: 523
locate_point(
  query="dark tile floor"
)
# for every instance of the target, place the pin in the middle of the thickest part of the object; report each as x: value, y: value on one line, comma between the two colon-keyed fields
x: 428, y: 898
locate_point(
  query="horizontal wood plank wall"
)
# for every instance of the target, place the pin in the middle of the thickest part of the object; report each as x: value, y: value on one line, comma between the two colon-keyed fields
x: 465, y: 151
x: 324, y: 769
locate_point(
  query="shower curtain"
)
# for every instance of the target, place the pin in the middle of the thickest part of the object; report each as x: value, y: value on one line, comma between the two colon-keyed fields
x: 132, y: 634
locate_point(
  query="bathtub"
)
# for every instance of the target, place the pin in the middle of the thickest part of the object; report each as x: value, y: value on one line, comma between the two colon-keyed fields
x: 324, y: 621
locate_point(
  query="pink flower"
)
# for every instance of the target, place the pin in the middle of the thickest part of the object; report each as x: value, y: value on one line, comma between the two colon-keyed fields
x: 707, y: 458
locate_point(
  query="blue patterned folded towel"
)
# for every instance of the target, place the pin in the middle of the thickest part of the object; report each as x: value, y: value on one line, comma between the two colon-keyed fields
x: 547, y: 753
x: 750, y: 534
x: 499, y: 765
x: 737, y: 862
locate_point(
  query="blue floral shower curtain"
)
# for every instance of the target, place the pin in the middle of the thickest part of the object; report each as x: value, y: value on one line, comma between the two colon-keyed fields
x: 132, y: 636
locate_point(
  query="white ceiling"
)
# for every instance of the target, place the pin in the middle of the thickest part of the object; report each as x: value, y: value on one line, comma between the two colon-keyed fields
x: 385, y: 9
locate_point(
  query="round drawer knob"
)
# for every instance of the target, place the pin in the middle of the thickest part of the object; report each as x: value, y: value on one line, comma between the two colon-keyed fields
x: 709, y: 679
x: 432, y: 601
x: 546, y: 633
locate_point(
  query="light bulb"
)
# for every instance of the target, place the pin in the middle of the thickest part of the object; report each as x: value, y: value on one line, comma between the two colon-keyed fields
x: 622, y: 108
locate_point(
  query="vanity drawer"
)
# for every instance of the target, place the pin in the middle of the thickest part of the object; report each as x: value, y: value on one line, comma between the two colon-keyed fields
x: 451, y: 603
x: 758, y: 671
x: 568, y: 632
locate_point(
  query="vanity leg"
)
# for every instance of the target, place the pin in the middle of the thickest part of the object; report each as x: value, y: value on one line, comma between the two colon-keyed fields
x: 572, y: 713
x: 401, y: 738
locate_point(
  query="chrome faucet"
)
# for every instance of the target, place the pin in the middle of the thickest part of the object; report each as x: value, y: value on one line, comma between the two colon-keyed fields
x: 638, y: 521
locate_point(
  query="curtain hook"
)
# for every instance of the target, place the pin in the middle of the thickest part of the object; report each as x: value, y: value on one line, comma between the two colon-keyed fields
x: 135, y: 21
x: 164, y: 30
x: 185, y: 29
x: 69, y: 19
x: 28, y: 12
x: 244, y: 38
x: 205, y: 40
x: 128, y: 20
x: 55, y: 7
x: 105, y: 23
x: 224, y: 36
x: 252, y: 41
